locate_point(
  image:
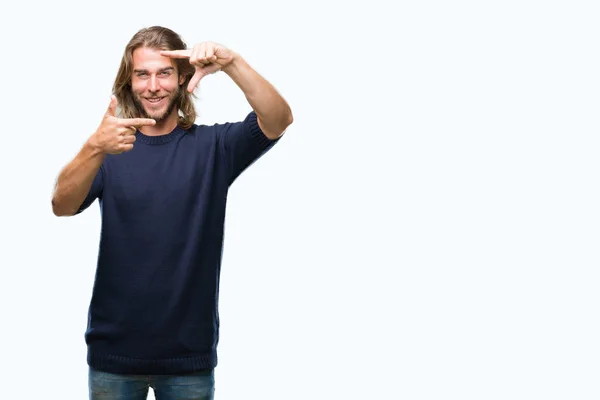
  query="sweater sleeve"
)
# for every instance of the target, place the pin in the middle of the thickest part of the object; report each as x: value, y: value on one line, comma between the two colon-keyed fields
x: 243, y: 143
x: 95, y: 191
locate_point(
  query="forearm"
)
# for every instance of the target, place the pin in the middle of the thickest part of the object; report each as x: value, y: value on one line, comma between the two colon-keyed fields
x: 75, y: 180
x: 274, y: 113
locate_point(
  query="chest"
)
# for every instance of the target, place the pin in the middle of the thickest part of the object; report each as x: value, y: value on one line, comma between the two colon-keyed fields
x: 158, y: 177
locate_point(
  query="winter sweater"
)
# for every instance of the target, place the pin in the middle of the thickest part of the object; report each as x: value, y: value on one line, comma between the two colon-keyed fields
x: 154, y: 304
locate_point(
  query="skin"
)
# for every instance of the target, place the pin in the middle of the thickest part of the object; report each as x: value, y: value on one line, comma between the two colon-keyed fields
x: 113, y: 136
x: 274, y: 114
x: 155, y: 76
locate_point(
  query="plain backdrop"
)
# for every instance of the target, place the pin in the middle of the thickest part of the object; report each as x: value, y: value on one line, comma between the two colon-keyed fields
x: 428, y: 228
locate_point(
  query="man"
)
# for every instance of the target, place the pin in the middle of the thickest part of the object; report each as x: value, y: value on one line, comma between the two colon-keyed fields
x: 162, y: 182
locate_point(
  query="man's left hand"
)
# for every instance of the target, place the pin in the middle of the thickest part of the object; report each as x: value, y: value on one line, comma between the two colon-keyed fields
x: 206, y: 57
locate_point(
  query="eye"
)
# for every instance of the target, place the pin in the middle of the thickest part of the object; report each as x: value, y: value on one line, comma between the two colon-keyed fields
x: 165, y: 73
x: 141, y: 74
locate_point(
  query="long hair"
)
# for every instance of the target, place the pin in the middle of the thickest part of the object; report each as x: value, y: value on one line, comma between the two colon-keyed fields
x: 157, y: 38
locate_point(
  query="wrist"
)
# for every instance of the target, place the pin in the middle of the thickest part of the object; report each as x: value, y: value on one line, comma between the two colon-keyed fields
x: 93, y: 147
x: 233, y: 65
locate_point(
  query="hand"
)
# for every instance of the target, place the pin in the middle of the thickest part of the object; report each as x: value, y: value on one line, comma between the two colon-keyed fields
x: 206, y: 57
x: 116, y: 135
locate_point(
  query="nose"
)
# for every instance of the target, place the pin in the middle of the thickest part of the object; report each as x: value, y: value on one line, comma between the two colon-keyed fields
x: 153, y: 84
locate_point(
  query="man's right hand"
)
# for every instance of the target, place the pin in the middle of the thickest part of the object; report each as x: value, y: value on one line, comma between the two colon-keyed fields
x: 116, y: 135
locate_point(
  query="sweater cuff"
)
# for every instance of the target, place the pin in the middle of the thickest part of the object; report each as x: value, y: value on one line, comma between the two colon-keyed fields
x: 256, y: 133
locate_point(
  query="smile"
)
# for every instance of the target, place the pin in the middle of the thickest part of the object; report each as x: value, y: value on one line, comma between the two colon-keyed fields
x: 154, y: 100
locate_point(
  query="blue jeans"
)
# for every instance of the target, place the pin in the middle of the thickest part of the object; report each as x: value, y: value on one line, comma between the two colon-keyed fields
x: 107, y: 386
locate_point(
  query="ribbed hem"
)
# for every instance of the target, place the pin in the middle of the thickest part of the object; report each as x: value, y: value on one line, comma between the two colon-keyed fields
x: 167, y: 366
x: 160, y: 139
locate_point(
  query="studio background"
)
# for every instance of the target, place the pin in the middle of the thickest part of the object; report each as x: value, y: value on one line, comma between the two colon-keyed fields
x: 428, y: 227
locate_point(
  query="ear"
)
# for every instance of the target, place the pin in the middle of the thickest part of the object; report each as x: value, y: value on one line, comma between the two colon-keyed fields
x: 181, y: 79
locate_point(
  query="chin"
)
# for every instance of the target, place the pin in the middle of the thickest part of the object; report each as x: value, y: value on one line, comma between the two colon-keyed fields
x: 156, y: 115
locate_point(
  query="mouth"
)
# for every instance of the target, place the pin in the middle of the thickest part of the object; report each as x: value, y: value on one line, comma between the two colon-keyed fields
x: 154, y: 100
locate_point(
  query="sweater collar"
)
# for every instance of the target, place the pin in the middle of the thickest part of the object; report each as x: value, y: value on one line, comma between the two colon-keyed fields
x: 160, y: 139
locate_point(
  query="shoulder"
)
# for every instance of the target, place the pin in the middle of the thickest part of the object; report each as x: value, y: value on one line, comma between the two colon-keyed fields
x: 246, y: 129
x: 247, y: 122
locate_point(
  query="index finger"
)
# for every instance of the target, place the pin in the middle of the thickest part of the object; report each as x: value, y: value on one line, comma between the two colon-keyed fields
x: 176, y: 53
x: 137, y: 122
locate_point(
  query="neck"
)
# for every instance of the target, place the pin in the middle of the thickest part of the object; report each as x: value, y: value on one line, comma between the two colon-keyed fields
x: 163, y: 127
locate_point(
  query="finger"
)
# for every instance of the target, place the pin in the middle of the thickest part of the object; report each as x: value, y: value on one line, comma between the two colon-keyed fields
x: 198, y: 56
x: 194, y: 54
x: 129, y: 139
x: 210, y: 53
x: 195, y: 80
x: 126, y: 146
x: 204, y: 54
x: 137, y: 122
x: 222, y: 53
x: 176, y: 53
x: 112, y: 106
x: 127, y: 131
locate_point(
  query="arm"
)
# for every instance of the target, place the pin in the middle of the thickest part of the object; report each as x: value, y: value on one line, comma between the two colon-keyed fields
x: 274, y: 113
x: 75, y: 180
x: 113, y: 136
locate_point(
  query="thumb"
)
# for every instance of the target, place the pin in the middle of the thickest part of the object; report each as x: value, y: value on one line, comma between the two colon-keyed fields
x: 112, y: 107
x: 195, y: 79
x: 200, y: 73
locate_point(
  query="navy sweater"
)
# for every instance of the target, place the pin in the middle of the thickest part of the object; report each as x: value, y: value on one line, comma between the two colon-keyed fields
x: 154, y: 305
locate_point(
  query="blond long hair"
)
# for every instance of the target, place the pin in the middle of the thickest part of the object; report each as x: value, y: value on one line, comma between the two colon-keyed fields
x: 158, y: 38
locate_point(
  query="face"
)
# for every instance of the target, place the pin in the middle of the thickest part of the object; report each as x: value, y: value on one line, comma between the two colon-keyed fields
x: 155, y: 84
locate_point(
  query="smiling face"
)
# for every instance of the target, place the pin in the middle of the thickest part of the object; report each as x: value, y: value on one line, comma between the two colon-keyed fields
x: 155, y: 84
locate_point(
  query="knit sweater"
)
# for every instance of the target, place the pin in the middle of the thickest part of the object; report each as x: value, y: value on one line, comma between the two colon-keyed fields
x: 154, y: 304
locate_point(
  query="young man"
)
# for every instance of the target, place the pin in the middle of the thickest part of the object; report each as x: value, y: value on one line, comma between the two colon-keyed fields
x: 162, y: 182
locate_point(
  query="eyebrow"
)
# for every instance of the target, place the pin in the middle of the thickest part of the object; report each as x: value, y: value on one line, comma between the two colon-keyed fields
x: 160, y: 70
